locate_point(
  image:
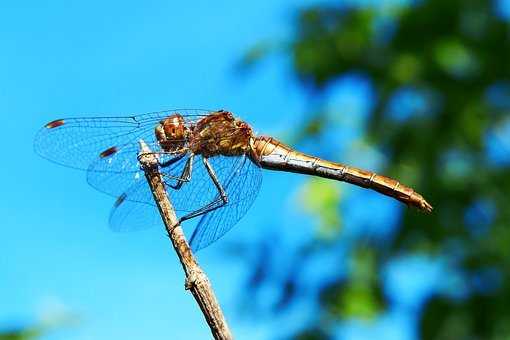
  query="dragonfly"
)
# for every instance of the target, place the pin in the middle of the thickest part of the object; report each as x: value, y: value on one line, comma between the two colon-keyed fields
x: 210, y: 162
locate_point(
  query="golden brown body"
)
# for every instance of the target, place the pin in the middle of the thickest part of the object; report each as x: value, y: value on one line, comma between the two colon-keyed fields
x: 219, y: 133
x: 275, y: 155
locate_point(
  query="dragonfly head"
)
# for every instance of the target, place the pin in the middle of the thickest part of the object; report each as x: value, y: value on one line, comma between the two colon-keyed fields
x: 172, y: 132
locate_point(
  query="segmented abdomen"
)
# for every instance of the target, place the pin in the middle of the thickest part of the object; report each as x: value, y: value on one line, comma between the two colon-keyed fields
x: 274, y: 155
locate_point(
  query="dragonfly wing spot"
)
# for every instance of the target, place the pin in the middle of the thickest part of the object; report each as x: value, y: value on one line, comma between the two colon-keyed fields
x: 55, y: 124
x: 120, y: 200
x: 108, y: 152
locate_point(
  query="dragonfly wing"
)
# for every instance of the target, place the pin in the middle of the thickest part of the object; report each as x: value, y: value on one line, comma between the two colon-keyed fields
x: 131, y: 183
x: 241, y: 179
x: 115, y: 173
x: 77, y: 142
x: 131, y: 216
x: 242, y: 186
x: 134, y: 208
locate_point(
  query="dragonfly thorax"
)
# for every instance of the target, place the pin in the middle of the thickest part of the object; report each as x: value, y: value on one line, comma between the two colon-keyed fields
x: 220, y: 133
x: 172, y: 133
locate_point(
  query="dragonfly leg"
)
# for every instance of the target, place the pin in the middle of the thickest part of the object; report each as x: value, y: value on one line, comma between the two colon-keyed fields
x: 214, y: 178
x: 185, y: 176
x: 216, y: 203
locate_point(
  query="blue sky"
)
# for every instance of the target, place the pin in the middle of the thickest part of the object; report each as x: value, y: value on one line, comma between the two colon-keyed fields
x: 70, y: 58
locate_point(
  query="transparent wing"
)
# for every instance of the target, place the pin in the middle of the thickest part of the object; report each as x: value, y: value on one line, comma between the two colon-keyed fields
x: 77, y: 142
x: 130, y: 216
x: 239, y: 176
x: 242, y: 186
x: 131, y: 183
x: 133, y: 186
x: 115, y: 175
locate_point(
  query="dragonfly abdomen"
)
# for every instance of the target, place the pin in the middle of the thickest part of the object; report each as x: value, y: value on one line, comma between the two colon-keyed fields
x: 275, y: 155
x: 371, y: 180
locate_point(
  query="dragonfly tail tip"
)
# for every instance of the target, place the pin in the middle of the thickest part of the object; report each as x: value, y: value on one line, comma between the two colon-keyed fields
x: 425, y: 206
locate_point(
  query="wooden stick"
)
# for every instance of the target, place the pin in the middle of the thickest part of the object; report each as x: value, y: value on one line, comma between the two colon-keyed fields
x: 196, y: 280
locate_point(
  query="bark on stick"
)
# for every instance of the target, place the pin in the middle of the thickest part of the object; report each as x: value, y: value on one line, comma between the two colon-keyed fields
x: 196, y: 280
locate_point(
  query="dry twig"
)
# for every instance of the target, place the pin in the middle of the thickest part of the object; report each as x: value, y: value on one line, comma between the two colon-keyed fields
x: 196, y: 280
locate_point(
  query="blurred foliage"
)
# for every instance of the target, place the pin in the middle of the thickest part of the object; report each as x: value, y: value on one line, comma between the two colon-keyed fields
x: 360, y: 296
x: 321, y: 199
x: 21, y: 334
x: 453, y: 58
x: 51, y: 321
